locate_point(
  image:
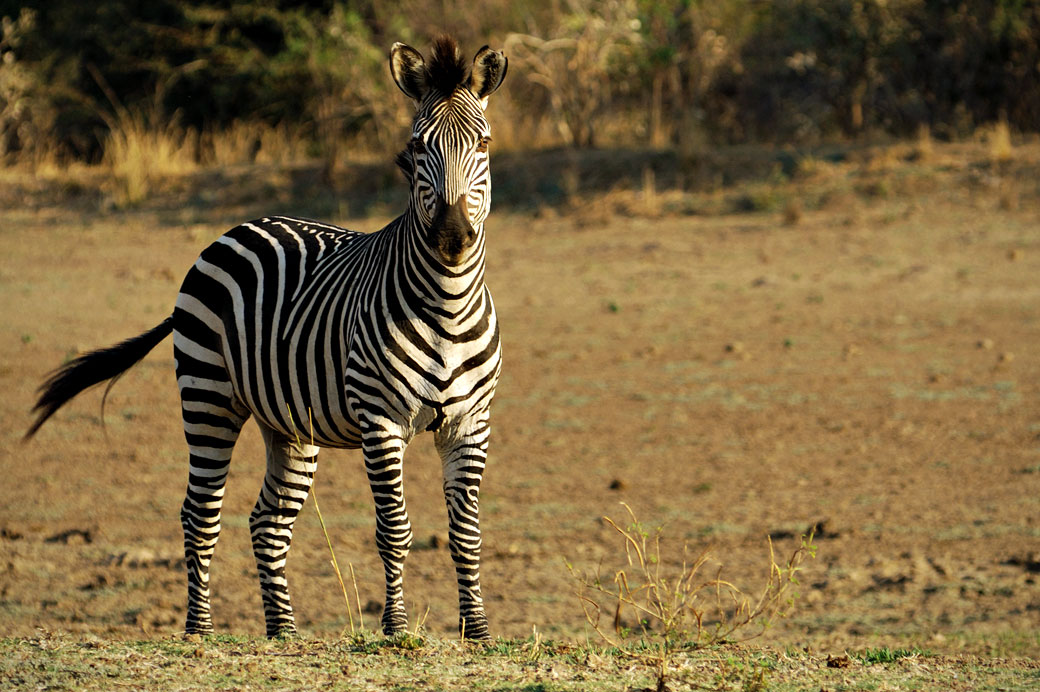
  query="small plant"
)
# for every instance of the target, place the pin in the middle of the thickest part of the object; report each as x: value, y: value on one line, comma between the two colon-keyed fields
x: 405, y: 641
x: 681, y: 608
x: 887, y: 655
x: 746, y: 673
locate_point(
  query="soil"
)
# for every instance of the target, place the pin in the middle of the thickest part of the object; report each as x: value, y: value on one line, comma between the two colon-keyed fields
x: 854, y: 349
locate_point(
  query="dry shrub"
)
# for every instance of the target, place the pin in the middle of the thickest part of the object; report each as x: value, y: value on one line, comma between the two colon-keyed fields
x: 681, y: 608
x: 577, y: 68
x: 23, y: 123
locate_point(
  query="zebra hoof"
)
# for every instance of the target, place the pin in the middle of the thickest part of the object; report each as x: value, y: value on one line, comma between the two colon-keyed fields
x: 394, y: 629
x: 474, y: 630
x: 395, y: 621
x: 283, y: 632
x: 197, y: 629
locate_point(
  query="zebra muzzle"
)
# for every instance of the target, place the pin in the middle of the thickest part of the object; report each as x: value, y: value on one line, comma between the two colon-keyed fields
x: 451, y: 232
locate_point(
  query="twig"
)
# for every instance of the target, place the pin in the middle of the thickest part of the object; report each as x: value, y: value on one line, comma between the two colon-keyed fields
x: 357, y: 598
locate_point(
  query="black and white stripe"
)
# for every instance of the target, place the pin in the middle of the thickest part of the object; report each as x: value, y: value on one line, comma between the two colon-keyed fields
x: 347, y: 340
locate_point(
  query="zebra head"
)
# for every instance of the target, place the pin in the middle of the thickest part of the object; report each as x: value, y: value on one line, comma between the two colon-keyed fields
x: 447, y: 157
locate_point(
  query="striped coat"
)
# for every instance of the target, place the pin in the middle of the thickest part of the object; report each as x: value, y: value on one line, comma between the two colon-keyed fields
x: 331, y: 338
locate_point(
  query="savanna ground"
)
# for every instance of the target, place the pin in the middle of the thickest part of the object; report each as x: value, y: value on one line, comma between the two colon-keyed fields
x: 846, y: 341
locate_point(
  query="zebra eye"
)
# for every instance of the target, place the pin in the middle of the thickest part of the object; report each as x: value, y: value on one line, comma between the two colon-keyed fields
x: 418, y: 147
x: 483, y: 145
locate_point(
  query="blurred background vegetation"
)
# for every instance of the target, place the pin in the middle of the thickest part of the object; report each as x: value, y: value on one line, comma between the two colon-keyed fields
x: 188, y: 83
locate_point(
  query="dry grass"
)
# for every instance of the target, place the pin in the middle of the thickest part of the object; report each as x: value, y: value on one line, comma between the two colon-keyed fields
x: 681, y: 608
x: 998, y: 139
x: 254, y: 142
x: 142, y: 150
x: 924, y: 145
x: 145, y: 147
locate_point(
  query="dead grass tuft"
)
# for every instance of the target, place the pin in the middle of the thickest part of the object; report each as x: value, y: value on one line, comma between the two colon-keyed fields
x: 924, y: 146
x: 998, y: 139
x: 253, y: 142
x: 141, y: 152
x: 681, y: 608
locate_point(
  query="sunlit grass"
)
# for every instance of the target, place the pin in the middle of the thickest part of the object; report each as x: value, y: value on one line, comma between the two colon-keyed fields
x: 245, y: 142
x: 142, y: 150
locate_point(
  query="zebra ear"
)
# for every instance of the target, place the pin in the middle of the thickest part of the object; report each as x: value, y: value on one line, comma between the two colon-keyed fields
x: 409, y: 71
x: 489, y: 69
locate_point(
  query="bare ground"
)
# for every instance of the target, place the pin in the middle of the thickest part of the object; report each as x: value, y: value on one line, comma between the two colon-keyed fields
x: 857, y: 351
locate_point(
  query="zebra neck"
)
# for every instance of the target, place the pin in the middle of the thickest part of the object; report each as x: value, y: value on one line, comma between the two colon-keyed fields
x: 445, y: 289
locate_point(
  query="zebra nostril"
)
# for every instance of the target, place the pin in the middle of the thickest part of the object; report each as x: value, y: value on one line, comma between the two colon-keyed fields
x: 451, y: 232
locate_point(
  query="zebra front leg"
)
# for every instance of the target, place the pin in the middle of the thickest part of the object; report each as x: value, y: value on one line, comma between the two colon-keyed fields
x: 287, y: 483
x: 463, y: 454
x: 384, y: 453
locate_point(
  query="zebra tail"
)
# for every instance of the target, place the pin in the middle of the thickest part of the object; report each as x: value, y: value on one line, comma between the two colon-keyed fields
x: 94, y: 368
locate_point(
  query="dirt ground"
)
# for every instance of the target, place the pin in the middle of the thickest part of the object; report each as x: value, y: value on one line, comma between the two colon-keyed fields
x: 858, y: 350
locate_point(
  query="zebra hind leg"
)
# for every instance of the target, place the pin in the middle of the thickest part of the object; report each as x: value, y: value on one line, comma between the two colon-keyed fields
x: 287, y: 483
x: 211, y: 432
x: 463, y: 456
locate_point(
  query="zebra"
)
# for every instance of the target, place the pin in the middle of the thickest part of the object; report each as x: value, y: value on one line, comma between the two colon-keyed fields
x: 333, y: 338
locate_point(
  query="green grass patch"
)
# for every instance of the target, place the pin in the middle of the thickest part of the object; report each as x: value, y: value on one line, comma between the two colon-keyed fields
x: 887, y: 655
x: 370, y: 661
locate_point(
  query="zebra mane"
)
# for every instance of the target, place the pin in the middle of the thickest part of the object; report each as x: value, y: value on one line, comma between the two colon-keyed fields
x: 404, y: 162
x: 448, y: 69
